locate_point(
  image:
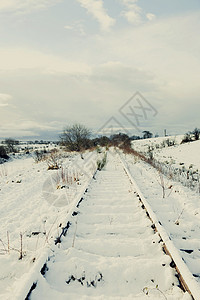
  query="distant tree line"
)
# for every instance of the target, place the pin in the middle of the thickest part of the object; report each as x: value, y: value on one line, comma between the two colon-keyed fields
x: 78, y: 138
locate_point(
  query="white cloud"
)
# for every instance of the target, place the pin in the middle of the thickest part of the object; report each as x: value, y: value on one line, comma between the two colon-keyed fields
x: 160, y: 59
x: 25, y: 6
x: 134, y: 13
x: 19, y: 126
x: 133, y: 17
x: 77, y: 27
x: 4, y: 99
x: 97, y: 10
x: 150, y: 16
x: 126, y: 77
x: 168, y: 48
x: 22, y: 58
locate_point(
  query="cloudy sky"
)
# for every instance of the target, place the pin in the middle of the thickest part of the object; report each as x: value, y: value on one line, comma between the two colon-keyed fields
x: 67, y: 61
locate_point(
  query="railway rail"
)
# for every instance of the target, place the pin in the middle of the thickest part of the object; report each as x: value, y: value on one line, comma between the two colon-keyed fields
x: 112, y: 247
x: 187, y: 280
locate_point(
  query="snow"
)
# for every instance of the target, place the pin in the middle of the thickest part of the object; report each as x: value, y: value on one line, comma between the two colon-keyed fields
x: 185, y: 153
x: 110, y: 251
x: 32, y: 205
x: 193, y: 286
x: 180, y: 204
x: 143, y: 144
x: 180, y: 154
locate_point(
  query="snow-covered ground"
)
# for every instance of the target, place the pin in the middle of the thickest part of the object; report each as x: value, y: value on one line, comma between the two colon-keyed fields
x: 178, y: 155
x: 187, y: 154
x: 110, y: 251
x: 34, y: 203
x: 178, y: 211
x: 157, y: 142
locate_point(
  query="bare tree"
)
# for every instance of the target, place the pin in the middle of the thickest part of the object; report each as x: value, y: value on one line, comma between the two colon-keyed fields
x: 10, y: 144
x: 76, y: 137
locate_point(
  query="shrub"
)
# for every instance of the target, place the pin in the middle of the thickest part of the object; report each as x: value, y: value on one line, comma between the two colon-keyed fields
x: 170, y: 142
x: 150, y: 154
x: 187, y: 138
x: 53, y: 160
x: 39, y: 156
x: 147, y: 134
x: 3, y: 153
x: 101, y: 163
x: 98, y: 149
x: 120, y: 140
x: 104, y: 141
x: 163, y: 144
x: 196, y: 133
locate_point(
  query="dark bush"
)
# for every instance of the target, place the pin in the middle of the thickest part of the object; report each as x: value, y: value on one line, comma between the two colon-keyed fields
x: 170, y: 142
x: 39, y: 156
x: 147, y: 134
x: 120, y: 139
x: 187, y: 138
x: 196, y: 133
x: 3, y: 153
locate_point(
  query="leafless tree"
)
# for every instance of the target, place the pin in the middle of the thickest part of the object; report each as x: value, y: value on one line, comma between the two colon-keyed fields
x: 76, y: 137
x: 10, y: 144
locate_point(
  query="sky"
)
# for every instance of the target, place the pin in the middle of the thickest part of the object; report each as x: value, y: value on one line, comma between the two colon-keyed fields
x: 114, y: 65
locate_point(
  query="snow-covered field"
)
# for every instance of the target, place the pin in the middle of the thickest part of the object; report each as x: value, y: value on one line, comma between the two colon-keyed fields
x: 187, y: 154
x: 179, y: 154
x: 110, y: 251
x: 157, y: 143
x: 34, y: 203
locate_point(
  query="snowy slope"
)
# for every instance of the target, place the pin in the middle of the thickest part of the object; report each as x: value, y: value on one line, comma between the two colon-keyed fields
x: 144, y: 144
x: 187, y: 154
x: 179, y: 155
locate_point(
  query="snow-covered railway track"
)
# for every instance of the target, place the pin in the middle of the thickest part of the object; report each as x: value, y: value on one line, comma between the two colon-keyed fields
x: 111, y: 249
x: 186, y: 278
